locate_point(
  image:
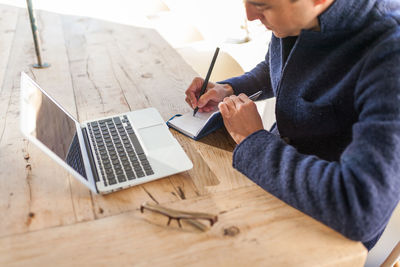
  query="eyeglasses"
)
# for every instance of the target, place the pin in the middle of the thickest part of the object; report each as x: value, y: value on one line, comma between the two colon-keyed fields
x: 190, y: 217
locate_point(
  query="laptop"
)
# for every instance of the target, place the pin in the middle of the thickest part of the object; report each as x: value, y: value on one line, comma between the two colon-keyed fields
x: 106, y: 154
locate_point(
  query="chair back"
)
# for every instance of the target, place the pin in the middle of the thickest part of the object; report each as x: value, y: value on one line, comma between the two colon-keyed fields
x: 393, y: 258
x: 381, y: 254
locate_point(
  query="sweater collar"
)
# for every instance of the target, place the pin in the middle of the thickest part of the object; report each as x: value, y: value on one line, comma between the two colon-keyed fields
x: 345, y: 15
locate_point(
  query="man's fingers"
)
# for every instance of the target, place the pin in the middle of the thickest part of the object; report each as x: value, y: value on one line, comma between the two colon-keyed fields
x: 229, y: 102
x: 191, y: 99
x: 244, y: 98
x: 206, y: 97
x: 196, y: 84
x: 189, y: 102
x: 237, y: 101
x: 194, y: 88
x: 223, y: 108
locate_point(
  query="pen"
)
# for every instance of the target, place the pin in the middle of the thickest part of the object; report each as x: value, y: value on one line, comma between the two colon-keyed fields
x: 203, y: 88
x: 255, y: 95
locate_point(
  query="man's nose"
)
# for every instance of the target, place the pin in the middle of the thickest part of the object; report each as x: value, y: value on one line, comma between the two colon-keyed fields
x: 251, y: 12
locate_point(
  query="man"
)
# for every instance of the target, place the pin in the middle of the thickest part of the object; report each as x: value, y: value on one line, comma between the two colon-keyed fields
x: 334, y: 153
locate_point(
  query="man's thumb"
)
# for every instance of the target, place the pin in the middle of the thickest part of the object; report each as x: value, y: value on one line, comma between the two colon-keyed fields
x: 203, y: 100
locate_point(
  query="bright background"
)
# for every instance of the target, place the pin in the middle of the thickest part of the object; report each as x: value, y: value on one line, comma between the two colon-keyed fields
x: 193, y: 27
x: 200, y: 25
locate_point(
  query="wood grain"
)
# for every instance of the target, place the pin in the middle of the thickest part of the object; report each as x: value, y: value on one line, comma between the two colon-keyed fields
x: 31, y: 181
x: 261, y: 231
x: 8, y: 25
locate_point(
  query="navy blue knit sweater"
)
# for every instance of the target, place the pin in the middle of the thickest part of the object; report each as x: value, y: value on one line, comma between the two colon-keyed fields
x: 338, y: 105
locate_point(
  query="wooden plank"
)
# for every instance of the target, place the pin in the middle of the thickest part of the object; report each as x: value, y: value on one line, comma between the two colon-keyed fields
x: 57, y: 82
x: 38, y: 190
x: 8, y: 24
x: 216, y: 150
x: 253, y: 229
x: 201, y: 174
x: 15, y: 171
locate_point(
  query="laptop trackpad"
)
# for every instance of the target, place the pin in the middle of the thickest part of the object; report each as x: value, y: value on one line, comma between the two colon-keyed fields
x: 156, y: 137
x: 145, y: 118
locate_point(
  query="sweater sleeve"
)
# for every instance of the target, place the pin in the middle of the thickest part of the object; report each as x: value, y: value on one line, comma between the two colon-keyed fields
x: 356, y: 194
x: 253, y: 81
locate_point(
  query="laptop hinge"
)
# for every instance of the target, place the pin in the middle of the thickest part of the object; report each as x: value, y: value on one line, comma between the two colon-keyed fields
x: 90, y: 156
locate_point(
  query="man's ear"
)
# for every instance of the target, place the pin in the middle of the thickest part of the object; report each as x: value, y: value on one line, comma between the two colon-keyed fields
x: 322, y: 4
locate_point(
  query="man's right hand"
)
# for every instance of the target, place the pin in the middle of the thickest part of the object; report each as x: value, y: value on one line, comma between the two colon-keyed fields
x: 214, y: 94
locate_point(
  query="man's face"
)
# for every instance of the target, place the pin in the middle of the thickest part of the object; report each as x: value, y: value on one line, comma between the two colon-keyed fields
x: 283, y: 17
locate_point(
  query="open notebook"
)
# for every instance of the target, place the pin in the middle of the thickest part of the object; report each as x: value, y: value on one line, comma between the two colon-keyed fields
x: 204, y: 123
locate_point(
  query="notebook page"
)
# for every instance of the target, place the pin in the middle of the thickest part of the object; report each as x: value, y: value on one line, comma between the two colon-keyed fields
x: 189, y: 124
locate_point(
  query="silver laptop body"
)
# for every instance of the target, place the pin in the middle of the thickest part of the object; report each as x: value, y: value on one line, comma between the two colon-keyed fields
x: 105, y: 154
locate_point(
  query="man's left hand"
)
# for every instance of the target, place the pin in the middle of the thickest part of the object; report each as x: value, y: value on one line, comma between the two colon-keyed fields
x: 240, y: 116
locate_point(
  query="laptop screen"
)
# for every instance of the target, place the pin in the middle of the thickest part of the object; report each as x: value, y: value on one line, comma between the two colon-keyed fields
x: 51, y: 126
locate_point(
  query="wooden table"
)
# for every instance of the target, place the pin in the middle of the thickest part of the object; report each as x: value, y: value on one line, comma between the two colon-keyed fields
x: 48, y: 218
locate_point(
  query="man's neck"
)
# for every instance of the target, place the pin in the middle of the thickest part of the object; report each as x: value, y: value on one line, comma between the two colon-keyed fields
x: 314, y: 25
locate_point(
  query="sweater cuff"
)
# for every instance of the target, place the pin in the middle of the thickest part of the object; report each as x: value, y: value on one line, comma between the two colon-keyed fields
x: 238, y: 85
x: 230, y: 83
x: 251, y: 147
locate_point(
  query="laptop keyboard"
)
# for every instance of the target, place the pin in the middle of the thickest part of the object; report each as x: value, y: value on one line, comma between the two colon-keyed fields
x: 118, y: 151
